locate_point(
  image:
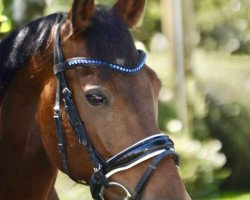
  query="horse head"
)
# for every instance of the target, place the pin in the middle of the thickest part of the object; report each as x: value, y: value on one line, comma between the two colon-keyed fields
x: 106, y: 107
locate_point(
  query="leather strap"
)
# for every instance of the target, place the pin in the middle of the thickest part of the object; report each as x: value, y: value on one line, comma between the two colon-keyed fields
x: 158, y: 145
x: 82, y: 61
x: 145, y: 177
x: 58, y: 58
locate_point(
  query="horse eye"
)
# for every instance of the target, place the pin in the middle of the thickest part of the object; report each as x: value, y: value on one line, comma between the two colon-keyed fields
x: 96, y: 99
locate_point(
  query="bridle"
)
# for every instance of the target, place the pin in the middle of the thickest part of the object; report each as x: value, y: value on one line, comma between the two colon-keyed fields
x: 157, y: 146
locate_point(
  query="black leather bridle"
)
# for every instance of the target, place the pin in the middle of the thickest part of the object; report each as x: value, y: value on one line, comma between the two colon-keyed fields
x: 157, y: 146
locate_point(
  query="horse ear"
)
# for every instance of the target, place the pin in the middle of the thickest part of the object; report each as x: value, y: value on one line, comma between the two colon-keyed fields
x: 80, y: 13
x: 130, y: 11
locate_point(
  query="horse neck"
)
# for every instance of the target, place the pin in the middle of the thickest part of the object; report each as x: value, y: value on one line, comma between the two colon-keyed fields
x: 21, y: 146
x: 20, y: 102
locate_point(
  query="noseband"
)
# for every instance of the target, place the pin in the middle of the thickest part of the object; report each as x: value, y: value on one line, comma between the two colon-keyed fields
x: 157, y: 146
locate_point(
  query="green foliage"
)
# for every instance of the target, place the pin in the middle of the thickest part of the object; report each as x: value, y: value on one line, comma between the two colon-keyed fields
x: 58, y: 5
x: 5, y: 23
x: 106, y: 2
x: 230, y: 124
x: 201, y: 164
x: 234, y: 196
x: 7, y: 7
x: 224, y: 81
x: 220, y: 105
x: 151, y: 23
x: 201, y: 161
x: 167, y: 112
x: 223, y: 25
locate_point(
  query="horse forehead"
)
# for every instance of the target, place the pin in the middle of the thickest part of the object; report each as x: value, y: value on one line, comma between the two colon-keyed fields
x: 128, y: 85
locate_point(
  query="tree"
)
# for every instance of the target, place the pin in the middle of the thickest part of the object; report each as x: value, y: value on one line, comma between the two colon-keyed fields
x: 22, y: 11
x: 5, y: 24
x: 223, y: 25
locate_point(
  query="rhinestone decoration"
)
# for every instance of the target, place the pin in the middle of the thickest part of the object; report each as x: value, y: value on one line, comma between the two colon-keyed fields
x: 78, y: 62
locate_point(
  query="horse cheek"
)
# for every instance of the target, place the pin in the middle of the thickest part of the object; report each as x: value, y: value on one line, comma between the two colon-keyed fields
x: 46, y: 122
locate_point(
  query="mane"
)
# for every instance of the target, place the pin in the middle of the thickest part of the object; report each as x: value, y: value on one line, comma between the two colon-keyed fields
x: 108, y: 38
x: 18, y: 47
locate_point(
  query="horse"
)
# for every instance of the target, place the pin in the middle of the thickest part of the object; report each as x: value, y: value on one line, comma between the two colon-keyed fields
x: 77, y: 96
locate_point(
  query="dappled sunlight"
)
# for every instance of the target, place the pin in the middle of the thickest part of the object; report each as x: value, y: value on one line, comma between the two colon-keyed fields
x: 227, y: 75
x: 5, y: 22
x: 200, y: 161
x: 214, y: 152
x: 174, y: 126
x: 68, y: 189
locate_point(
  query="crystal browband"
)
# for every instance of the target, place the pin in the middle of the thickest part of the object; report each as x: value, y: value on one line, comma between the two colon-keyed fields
x: 81, y: 61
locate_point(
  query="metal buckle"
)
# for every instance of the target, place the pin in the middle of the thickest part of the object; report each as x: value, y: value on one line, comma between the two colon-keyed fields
x: 128, y: 195
x: 66, y: 91
x: 57, y: 111
x: 60, y: 147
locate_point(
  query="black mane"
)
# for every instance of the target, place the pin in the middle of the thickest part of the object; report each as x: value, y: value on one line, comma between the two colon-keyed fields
x: 17, y: 48
x: 107, y: 37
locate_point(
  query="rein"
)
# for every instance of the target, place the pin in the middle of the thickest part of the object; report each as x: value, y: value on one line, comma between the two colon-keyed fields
x: 157, y: 146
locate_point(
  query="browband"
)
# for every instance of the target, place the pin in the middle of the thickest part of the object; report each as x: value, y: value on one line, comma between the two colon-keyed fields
x: 81, y: 61
x: 156, y: 147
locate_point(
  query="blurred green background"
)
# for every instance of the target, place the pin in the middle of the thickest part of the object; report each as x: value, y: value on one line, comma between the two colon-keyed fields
x: 201, y: 51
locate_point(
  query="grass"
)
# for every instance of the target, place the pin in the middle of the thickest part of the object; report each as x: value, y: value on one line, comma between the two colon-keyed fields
x: 231, y: 196
x: 236, y: 196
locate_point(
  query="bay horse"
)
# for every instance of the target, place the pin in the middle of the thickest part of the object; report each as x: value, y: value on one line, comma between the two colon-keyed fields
x: 76, y: 95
